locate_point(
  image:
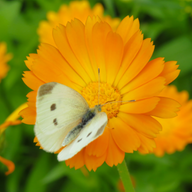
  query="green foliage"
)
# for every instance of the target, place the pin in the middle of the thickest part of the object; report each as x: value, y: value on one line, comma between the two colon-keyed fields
x: 167, y: 23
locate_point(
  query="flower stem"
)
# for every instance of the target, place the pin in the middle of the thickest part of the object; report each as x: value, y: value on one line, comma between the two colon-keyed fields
x: 125, y: 177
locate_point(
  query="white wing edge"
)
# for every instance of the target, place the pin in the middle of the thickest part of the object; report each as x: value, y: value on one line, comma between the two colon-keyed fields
x: 100, y: 120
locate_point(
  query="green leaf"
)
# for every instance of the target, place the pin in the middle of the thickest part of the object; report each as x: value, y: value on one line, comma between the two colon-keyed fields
x: 40, y: 169
x: 56, y: 173
x: 8, y: 12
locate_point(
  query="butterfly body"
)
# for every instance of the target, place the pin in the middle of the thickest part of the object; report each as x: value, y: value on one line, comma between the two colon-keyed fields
x: 76, y: 130
x: 65, y: 119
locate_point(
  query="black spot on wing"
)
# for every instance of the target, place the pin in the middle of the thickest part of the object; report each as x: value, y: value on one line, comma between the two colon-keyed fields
x: 46, y: 88
x: 79, y: 140
x: 89, y: 134
x: 55, y: 121
x: 100, y: 130
x: 53, y: 107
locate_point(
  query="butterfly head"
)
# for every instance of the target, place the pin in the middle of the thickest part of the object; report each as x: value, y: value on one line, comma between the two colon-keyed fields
x: 97, y: 108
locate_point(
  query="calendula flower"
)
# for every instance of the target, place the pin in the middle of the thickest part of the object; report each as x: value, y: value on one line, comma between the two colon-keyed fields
x: 11, y: 120
x: 75, y: 9
x: 126, y: 74
x: 176, y: 132
x: 4, y: 58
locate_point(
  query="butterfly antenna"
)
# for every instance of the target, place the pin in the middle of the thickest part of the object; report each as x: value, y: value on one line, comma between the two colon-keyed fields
x: 98, y: 85
x: 118, y: 102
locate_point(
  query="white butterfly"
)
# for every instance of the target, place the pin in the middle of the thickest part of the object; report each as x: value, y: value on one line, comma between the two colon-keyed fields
x: 65, y: 119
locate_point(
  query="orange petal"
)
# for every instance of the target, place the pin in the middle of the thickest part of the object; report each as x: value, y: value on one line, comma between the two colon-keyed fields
x: 147, y: 144
x: 169, y: 72
x: 62, y: 72
x: 138, y: 63
x: 149, y: 72
x: 60, y: 38
x: 9, y: 123
x: 124, y: 136
x: 13, y: 118
x: 99, y: 34
x: 76, y: 38
x: 10, y: 165
x: 127, y: 28
x: 29, y: 116
x: 166, y: 108
x: 32, y: 96
x: 144, y: 124
x: 88, y: 34
x: 93, y: 162
x: 114, y: 154
x: 150, y: 89
x: 31, y: 80
x: 113, y: 55
x: 76, y: 161
x: 141, y: 106
x: 99, y: 146
x: 15, y: 115
x: 29, y: 62
x: 130, y: 51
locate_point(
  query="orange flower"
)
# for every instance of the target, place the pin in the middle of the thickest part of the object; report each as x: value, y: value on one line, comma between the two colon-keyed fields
x: 10, y: 165
x: 4, y: 58
x: 177, y: 131
x: 126, y: 74
x: 76, y: 9
x: 11, y: 120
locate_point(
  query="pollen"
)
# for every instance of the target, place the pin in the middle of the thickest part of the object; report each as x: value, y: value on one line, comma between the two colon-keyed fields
x: 106, y: 94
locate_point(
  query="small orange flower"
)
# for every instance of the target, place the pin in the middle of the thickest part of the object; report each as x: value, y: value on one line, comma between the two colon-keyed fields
x: 4, y: 58
x: 76, y: 9
x: 126, y: 74
x: 10, y: 165
x: 177, y: 131
x: 11, y: 120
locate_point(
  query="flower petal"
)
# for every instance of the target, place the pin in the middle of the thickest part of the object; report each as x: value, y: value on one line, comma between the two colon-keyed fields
x: 127, y: 28
x: 29, y: 62
x: 144, y: 124
x: 169, y: 72
x: 130, y: 51
x: 10, y: 165
x: 114, y: 154
x: 153, y: 87
x: 149, y: 72
x: 99, y: 34
x: 141, y: 106
x: 138, y: 63
x: 76, y: 38
x: 147, y: 144
x: 60, y: 37
x: 113, y: 46
x: 99, y: 146
x: 76, y: 161
x: 166, y: 108
x: 31, y: 80
x: 93, y: 162
x: 29, y: 116
x: 62, y: 72
x: 124, y: 136
x: 88, y: 34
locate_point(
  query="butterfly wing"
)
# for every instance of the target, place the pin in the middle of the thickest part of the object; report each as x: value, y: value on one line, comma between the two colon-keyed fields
x: 92, y: 130
x: 59, y: 109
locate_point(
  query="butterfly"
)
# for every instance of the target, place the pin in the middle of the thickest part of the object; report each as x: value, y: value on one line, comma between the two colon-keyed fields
x: 64, y: 119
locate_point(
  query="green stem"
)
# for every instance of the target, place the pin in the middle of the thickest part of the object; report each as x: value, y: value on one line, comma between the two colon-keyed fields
x: 125, y: 177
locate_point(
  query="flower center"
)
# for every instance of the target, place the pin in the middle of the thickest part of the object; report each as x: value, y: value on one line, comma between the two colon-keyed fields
x: 107, y: 94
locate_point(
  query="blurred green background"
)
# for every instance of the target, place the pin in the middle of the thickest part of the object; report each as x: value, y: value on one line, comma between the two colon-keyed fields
x: 168, y: 23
